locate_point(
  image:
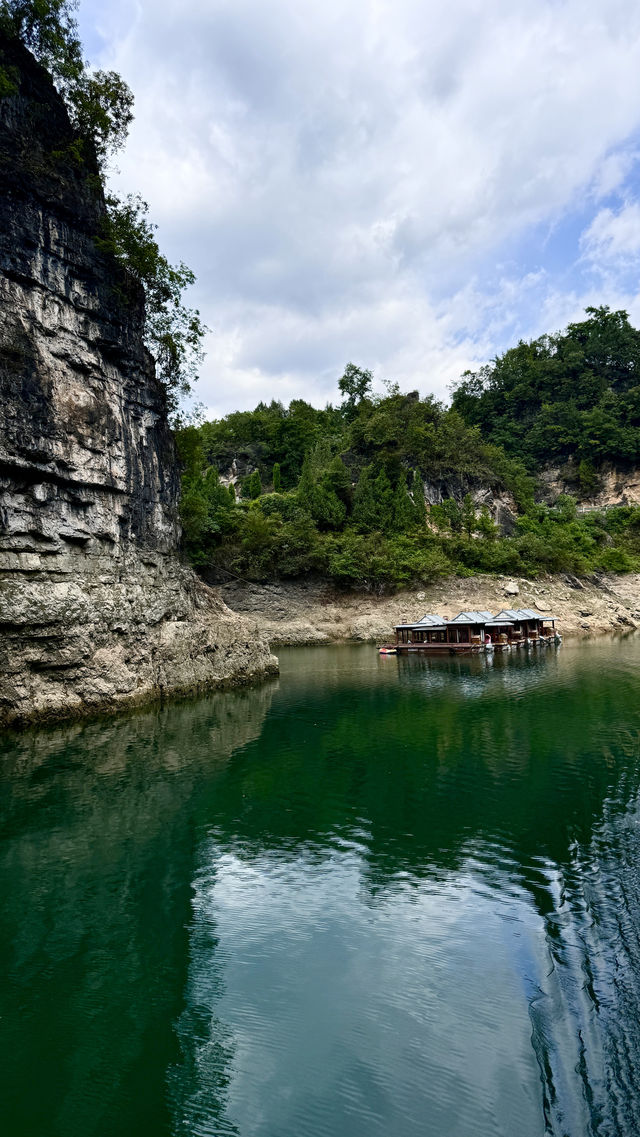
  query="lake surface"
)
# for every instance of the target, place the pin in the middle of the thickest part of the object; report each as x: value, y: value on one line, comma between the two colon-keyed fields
x: 375, y: 896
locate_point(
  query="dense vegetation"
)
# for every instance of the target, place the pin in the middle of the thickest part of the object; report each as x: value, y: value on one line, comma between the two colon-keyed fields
x: 569, y: 398
x: 100, y: 107
x: 340, y: 492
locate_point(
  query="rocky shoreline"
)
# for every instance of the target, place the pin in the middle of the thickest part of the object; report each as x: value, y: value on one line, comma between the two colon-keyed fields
x: 316, y: 612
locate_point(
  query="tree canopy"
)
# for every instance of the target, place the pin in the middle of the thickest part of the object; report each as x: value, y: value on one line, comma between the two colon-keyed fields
x: 573, y: 396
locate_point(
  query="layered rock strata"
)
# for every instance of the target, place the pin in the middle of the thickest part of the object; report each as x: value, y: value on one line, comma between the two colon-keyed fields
x: 96, y: 608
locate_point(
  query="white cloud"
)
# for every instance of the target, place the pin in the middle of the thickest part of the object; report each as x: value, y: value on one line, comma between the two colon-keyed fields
x: 613, y: 236
x: 344, y: 177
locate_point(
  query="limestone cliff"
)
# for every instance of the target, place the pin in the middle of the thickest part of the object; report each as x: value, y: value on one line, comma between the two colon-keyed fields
x: 96, y: 608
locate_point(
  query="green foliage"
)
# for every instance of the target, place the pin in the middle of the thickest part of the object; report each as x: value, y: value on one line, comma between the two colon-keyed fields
x: 48, y: 28
x: 100, y: 102
x: 255, y: 485
x: 206, y: 507
x: 574, y: 395
x: 487, y: 528
x: 268, y: 435
x: 9, y: 80
x: 317, y: 496
x: 417, y: 497
x: 374, y: 501
x: 276, y: 477
x: 173, y: 332
x: 350, y: 501
x: 354, y: 385
x: 403, y: 516
x: 378, y: 564
x: 588, y: 479
x: 100, y: 108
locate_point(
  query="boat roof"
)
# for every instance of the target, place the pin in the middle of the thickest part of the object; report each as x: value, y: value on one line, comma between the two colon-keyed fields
x: 522, y: 614
x: 504, y: 618
x: 472, y: 618
x: 429, y: 620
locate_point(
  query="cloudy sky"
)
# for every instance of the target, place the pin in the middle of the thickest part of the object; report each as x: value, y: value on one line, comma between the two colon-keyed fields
x: 412, y: 185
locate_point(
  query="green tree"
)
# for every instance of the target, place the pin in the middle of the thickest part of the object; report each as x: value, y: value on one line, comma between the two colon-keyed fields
x: 403, y: 507
x: 338, y: 479
x: 173, y: 332
x: 276, y: 479
x: 355, y: 385
x: 417, y: 496
x: 255, y: 485
x: 365, y: 512
x: 48, y: 28
x: 101, y: 106
x: 564, y: 396
x: 450, y: 513
x: 317, y: 496
x: 205, y: 504
x: 485, y: 526
x: 100, y: 102
x: 588, y: 479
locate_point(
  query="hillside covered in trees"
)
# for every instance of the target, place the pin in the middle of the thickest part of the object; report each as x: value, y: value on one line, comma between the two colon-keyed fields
x: 574, y: 396
x: 387, y: 490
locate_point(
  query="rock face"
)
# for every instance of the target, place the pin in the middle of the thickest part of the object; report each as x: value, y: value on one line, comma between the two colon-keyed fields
x: 96, y: 608
x: 613, y: 486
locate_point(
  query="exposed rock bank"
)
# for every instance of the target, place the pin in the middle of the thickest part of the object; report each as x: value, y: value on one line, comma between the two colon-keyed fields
x: 314, y: 612
x: 96, y: 609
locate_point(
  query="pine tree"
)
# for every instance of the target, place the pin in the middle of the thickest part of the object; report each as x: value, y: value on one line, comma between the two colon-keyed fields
x: 338, y: 479
x: 403, y: 509
x: 255, y: 485
x: 364, y: 501
x: 417, y: 493
x: 384, y: 498
x: 306, y: 485
x: 318, y: 497
x: 275, y: 477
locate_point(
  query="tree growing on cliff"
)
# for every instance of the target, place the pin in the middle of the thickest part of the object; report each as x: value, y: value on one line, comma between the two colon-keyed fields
x: 49, y: 30
x: 99, y: 102
x: 173, y: 332
x: 100, y: 106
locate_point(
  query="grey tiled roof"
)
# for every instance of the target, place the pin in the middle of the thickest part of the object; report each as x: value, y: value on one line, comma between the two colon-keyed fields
x: 429, y: 620
x: 472, y: 618
x: 521, y: 614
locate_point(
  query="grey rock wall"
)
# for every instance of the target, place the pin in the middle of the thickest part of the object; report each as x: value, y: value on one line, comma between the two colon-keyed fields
x: 96, y: 608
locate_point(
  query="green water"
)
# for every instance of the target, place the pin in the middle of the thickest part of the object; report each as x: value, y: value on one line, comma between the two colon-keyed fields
x: 377, y: 896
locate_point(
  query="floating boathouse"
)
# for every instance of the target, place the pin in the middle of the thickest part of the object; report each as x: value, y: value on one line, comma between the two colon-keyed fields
x: 472, y: 632
x: 528, y: 626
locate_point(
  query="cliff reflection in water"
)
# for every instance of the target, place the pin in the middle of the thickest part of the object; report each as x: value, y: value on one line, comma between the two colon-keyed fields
x: 99, y: 828
x: 385, y: 895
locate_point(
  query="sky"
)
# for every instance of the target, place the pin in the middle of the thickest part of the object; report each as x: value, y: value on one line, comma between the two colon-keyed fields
x: 411, y: 185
